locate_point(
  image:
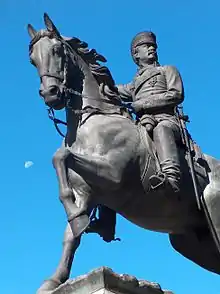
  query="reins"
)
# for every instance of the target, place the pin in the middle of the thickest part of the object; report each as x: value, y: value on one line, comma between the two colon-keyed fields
x: 80, y: 112
x: 68, y: 92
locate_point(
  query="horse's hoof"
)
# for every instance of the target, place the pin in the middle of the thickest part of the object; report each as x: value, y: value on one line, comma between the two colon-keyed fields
x: 48, y: 286
x: 79, y: 224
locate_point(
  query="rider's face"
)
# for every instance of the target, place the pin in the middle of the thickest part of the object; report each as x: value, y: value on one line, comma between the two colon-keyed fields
x: 146, y: 53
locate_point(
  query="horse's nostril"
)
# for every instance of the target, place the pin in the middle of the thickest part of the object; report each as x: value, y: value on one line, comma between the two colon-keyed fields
x: 51, y: 91
x: 54, y: 90
x: 41, y: 93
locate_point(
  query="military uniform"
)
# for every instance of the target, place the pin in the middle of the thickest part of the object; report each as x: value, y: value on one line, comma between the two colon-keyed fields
x: 155, y: 92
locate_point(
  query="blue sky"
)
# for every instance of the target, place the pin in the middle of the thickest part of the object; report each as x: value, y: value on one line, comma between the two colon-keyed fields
x: 32, y: 219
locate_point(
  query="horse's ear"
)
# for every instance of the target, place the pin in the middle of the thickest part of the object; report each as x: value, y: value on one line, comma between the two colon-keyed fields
x: 31, y: 31
x: 50, y: 25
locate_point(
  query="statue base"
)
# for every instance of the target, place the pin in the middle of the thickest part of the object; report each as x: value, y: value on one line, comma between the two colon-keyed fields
x: 104, y: 281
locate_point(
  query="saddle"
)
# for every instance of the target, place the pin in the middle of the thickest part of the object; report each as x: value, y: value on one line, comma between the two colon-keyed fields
x: 151, y: 162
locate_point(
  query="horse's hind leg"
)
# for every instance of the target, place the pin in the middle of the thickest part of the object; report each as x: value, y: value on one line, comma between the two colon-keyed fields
x: 62, y: 273
x: 211, y: 199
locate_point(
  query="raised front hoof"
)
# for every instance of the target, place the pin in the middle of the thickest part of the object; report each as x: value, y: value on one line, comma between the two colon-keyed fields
x: 79, y: 225
x: 48, y: 286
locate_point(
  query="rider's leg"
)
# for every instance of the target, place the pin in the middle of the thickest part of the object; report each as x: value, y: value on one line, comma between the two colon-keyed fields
x: 165, y: 136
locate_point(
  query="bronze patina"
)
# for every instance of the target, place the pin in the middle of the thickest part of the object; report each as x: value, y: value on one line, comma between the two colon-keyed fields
x: 139, y: 169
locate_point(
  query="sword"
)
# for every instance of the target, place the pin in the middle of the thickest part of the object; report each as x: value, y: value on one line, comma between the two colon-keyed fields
x: 182, y: 122
x: 200, y: 202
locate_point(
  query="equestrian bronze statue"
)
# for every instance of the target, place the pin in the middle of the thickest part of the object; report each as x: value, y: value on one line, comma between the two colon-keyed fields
x: 147, y: 169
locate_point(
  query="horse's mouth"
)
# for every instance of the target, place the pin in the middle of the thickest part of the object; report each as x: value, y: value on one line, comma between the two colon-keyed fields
x: 55, y: 102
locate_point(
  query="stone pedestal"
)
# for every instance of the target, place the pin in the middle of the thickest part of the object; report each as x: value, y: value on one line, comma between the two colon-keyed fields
x: 104, y: 281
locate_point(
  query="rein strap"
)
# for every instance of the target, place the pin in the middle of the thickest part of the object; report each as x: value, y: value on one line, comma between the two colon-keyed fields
x: 80, y: 112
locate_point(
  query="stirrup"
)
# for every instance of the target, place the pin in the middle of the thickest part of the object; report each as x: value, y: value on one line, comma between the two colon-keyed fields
x: 156, y: 181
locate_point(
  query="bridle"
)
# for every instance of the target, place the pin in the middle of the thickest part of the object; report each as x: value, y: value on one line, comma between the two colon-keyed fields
x: 68, y: 92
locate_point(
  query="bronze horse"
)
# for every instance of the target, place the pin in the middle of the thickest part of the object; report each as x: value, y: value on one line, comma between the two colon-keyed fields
x: 106, y: 159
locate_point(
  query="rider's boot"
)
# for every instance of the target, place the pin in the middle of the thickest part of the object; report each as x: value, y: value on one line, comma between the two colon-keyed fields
x: 165, y: 136
x: 168, y: 178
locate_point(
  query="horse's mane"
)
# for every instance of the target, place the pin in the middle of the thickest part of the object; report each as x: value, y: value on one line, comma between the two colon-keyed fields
x: 101, y: 73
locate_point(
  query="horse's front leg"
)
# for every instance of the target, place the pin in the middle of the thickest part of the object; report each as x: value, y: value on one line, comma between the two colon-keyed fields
x: 66, y: 194
x: 62, y: 273
x: 76, y: 212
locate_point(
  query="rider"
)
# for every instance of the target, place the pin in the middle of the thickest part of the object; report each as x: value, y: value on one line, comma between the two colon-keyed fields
x: 155, y: 92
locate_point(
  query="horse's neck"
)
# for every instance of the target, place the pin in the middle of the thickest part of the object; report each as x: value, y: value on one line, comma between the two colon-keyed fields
x: 90, y: 90
x: 72, y: 125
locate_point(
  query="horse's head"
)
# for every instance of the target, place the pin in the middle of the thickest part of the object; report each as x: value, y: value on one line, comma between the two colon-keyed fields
x: 68, y: 69
x: 48, y: 53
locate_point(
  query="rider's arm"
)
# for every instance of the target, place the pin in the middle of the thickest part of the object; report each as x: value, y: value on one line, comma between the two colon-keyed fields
x: 172, y: 97
x: 125, y: 92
